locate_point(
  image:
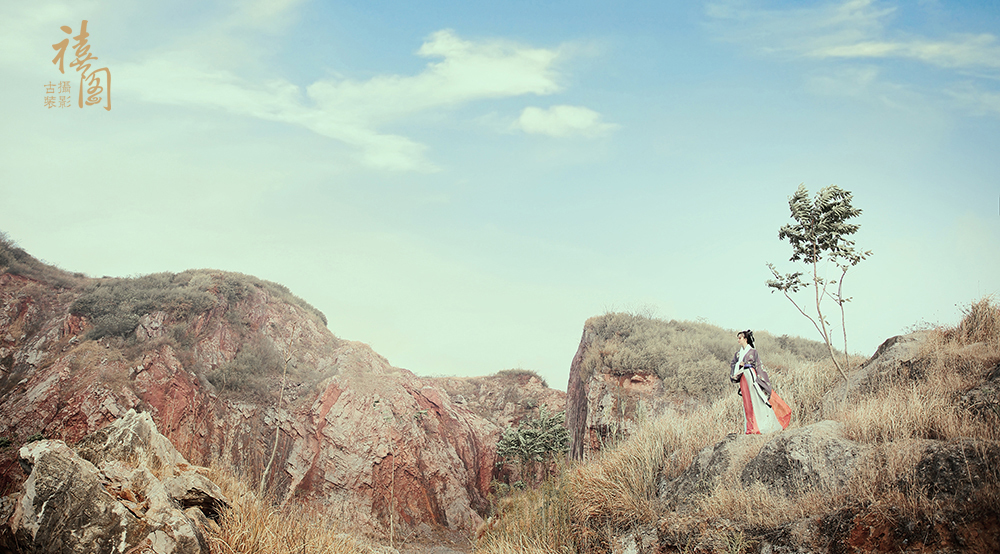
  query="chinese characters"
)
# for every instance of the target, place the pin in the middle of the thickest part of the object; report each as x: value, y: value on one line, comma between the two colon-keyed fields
x: 50, y: 91
x: 96, y: 82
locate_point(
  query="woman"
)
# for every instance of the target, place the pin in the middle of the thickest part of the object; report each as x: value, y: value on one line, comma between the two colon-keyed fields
x: 755, y: 387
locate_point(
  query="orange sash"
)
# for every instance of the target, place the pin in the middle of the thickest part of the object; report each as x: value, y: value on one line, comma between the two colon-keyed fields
x: 781, y: 410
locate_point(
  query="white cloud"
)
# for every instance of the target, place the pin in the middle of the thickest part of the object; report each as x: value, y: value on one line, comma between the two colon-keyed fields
x: 468, y: 71
x: 563, y: 121
x: 963, y: 51
x: 354, y: 111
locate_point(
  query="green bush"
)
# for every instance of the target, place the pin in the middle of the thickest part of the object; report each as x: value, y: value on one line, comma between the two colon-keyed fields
x: 5, y: 442
x: 535, y: 441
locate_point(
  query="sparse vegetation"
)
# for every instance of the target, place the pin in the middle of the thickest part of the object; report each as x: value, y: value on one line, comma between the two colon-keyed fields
x: 16, y: 261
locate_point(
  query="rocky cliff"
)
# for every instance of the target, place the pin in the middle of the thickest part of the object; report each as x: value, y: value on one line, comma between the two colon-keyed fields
x: 236, y: 370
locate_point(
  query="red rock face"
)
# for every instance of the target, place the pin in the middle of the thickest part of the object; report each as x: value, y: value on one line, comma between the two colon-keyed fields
x: 375, y: 445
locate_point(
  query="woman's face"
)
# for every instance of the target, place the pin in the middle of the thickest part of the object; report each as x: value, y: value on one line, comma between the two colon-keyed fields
x: 742, y: 340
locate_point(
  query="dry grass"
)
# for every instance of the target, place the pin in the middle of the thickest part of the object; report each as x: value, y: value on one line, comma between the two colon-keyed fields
x: 980, y: 324
x: 253, y: 524
x: 534, y: 521
x: 616, y: 489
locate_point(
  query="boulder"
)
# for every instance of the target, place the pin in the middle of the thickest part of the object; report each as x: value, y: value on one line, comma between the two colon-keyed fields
x: 813, y: 458
x: 955, y: 470
x: 65, y: 507
x: 69, y: 504
x: 895, y: 359
x: 134, y: 438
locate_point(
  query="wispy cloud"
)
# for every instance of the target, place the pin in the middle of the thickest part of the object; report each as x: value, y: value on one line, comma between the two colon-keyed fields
x: 854, y: 30
x: 976, y: 99
x: 960, y: 52
x: 355, y: 112
x: 563, y: 121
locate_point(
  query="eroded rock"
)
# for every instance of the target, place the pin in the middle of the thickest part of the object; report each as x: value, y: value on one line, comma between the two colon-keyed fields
x: 69, y: 504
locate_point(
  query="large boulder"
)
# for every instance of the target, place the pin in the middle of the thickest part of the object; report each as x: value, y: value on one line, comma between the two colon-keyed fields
x: 813, y: 458
x: 69, y: 504
x: 65, y: 507
x: 895, y: 359
x: 958, y: 470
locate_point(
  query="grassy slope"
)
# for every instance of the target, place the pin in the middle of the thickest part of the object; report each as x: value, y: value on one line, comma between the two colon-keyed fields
x: 687, y: 356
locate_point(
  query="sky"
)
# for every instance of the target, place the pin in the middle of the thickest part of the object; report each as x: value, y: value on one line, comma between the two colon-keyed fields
x: 462, y: 185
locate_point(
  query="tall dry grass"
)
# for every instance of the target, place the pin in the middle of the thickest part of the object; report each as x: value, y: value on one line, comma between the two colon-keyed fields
x: 951, y: 363
x: 254, y: 525
x: 535, y: 521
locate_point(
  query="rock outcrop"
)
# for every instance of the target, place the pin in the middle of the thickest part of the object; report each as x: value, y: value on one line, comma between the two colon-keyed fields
x: 605, y: 404
x: 123, y: 489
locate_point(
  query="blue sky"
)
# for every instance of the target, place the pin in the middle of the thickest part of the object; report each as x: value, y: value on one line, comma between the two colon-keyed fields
x: 461, y: 186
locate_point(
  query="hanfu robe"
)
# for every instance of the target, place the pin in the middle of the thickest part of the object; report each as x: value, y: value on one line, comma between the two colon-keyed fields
x: 755, y: 389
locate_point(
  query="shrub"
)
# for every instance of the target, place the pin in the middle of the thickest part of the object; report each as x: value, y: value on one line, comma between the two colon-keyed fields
x: 981, y: 323
x: 255, y: 369
x: 114, y: 306
x: 536, y: 442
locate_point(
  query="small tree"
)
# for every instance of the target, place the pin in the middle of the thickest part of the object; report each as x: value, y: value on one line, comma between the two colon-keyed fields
x: 535, y: 441
x: 820, y: 231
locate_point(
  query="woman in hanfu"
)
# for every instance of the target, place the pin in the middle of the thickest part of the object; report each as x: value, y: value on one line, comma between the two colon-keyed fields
x: 755, y: 387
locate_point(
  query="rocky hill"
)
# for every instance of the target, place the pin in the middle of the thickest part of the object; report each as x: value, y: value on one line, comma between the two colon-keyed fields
x: 236, y: 370
x: 903, y: 456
